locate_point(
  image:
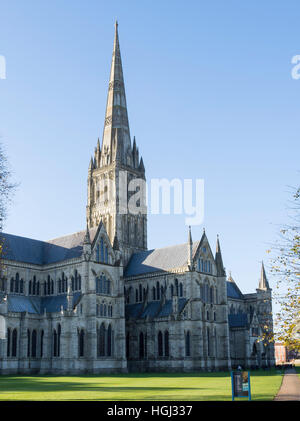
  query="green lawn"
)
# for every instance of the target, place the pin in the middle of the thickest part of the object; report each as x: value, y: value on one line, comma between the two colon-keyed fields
x: 194, y: 386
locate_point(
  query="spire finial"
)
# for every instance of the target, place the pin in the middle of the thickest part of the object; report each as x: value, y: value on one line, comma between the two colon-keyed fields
x: 230, y: 278
x: 87, y: 239
x: 190, y: 249
x: 219, y: 260
x: 190, y: 241
x: 218, y: 248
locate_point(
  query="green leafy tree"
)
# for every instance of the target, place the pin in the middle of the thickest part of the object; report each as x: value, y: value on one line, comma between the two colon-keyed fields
x: 286, y: 269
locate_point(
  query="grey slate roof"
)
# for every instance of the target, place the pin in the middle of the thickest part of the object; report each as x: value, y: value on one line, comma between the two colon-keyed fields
x: 152, y: 309
x: 133, y: 310
x: 159, y: 260
x: 233, y: 291
x: 238, y: 320
x: 37, y: 305
x: 27, y: 250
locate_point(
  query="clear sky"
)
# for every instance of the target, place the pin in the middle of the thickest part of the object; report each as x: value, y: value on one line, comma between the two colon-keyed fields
x: 209, y: 94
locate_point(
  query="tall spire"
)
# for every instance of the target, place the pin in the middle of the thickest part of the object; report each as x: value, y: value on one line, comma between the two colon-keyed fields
x: 113, y: 160
x: 219, y: 260
x: 263, y: 282
x: 116, y: 133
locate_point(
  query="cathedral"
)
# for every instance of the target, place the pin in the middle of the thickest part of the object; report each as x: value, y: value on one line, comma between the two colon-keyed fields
x: 98, y: 301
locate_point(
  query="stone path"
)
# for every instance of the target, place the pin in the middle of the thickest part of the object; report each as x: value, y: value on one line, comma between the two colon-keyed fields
x: 290, y: 387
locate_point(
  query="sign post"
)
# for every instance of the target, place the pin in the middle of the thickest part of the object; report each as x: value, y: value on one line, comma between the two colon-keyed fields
x: 240, y: 384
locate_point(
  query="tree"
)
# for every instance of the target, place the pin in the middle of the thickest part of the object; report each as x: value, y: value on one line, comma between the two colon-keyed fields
x: 286, y: 268
x: 7, y: 188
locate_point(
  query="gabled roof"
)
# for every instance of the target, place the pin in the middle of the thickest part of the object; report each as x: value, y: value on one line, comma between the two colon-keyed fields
x: 159, y: 260
x: 28, y: 250
x: 203, y: 240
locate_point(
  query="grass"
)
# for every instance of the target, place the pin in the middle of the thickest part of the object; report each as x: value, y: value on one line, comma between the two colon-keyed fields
x: 193, y: 386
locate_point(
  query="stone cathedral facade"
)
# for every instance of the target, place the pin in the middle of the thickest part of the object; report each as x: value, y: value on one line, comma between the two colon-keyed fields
x: 99, y: 301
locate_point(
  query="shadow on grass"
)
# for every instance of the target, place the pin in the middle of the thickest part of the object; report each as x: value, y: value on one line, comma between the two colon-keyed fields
x: 36, y: 384
x: 200, y: 374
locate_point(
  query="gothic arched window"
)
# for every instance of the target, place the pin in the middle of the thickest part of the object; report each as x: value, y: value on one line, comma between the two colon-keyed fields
x: 33, y: 343
x: 160, y: 344
x: 157, y: 291
x: 176, y: 287
x: 102, y: 250
x: 166, y: 343
x: 180, y: 290
x: 102, y: 340
x: 109, y: 341
x: 54, y: 343
x: 211, y: 295
x: 8, y: 343
x: 141, y: 345
x: 34, y: 285
x: 48, y: 285
x: 208, y: 342
x: 14, y: 343
x: 81, y: 343
x: 98, y: 253
x: 106, y: 254
x: 187, y: 344
x: 58, y: 339
x: 42, y: 343
x: 17, y: 283
x: 28, y: 343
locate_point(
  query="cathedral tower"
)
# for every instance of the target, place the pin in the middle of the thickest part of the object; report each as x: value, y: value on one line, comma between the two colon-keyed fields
x: 116, y: 174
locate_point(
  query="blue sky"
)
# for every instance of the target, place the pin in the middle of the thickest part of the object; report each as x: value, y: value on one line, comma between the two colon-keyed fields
x: 209, y: 94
